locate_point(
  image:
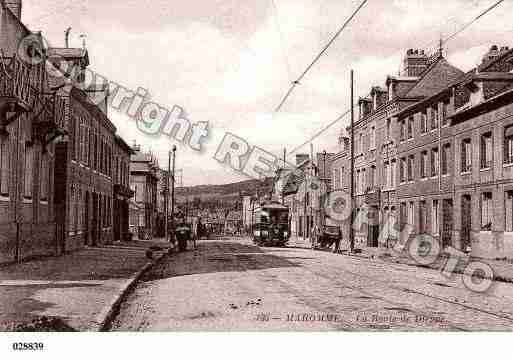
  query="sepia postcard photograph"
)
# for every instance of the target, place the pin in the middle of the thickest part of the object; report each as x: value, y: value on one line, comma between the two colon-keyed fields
x: 264, y: 167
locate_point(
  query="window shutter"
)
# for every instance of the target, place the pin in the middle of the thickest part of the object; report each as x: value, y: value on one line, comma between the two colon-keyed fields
x: 463, y: 157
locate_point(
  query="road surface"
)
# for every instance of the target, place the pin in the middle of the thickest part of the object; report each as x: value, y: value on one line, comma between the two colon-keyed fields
x: 233, y: 285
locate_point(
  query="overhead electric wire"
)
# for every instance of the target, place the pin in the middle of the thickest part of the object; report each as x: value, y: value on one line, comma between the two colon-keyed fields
x: 319, y: 55
x: 450, y: 37
x: 473, y: 21
x: 282, y: 39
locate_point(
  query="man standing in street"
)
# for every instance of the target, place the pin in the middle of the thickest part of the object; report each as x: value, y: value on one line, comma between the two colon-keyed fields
x: 336, y: 248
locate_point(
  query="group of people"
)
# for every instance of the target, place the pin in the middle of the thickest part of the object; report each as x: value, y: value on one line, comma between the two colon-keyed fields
x: 184, y: 233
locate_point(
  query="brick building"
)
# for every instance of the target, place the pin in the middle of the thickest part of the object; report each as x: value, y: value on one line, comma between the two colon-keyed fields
x: 144, y: 179
x: 445, y: 168
x: 482, y: 128
x: 454, y: 174
x: 424, y: 150
x: 382, y: 139
x: 93, y: 165
x: 31, y: 123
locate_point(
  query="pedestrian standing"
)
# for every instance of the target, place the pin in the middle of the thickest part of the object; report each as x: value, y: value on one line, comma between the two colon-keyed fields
x: 337, y: 241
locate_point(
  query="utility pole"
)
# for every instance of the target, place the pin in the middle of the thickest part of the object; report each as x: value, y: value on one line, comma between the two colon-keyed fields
x: 282, y: 173
x: 351, y: 222
x: 166, y: 196
x: 173, y: 188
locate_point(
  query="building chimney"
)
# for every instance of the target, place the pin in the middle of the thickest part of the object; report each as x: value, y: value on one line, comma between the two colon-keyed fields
x: 365, y: 105
x: 66, y: 37
x: 15, y: 7
x: 300, y: 158
x: 136, y: 147
x: 492, y: 54
x: 415, y: 62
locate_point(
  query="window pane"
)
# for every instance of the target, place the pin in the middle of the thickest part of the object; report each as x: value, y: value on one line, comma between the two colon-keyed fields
x: 434, y: 217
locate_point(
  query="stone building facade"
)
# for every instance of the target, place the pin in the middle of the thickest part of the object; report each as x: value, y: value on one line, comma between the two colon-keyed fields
x: 122, y: 192
x: 144, y: 179
x: 31, y: 123
x: 304, y: 189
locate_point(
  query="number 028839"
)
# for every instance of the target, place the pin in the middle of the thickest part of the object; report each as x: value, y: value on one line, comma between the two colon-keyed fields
x: 19, y: 346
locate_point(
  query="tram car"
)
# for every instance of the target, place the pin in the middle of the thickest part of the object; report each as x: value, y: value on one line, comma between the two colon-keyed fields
x: 271, y: 225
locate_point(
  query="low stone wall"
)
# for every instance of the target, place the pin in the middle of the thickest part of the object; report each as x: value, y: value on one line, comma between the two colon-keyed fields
x: 29, y: 240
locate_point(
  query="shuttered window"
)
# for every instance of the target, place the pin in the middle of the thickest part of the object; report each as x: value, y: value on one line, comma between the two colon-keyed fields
x: 466, y: 155
x: 435, y: 226
x: 393, y: 173
x: 410, y: 127
x: 508, y: 145
x: 434, y: 117
x: 423, y: 122
x: 402, y: 214
x: 435, y: 162
x: 411, y: 159
x: 486, y: 150
x: 445, y: 158
x: 43, y: 178
x: 486, y: 211
x: 445, y: 109
x: 411, y: 213
x: 422, y: 216
x: 4, y: 166
x: 508, y: 211
x: 372, y: 144
x: 386, y: 171
x: 402, y: 170
x: 29, y: 171
x: 423, y: 164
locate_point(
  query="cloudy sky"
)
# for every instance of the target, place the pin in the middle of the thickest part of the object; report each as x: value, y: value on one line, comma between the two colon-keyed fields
x: 229, y: 62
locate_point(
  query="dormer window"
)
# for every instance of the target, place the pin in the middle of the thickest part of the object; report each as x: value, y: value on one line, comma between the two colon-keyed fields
x: 391, y: 87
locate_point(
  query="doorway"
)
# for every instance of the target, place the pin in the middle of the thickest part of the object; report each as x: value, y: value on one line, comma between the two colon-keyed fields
x: 447, y: 222
x: 466, y: 221
x: 373, y: 227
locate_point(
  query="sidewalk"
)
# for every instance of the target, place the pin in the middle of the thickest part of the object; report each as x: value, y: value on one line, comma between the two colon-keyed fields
x: 502, y: 269
x: 72, y: 292
x: 299, y: 242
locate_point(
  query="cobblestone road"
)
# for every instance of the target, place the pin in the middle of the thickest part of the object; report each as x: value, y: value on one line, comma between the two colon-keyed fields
x: 234, y: 285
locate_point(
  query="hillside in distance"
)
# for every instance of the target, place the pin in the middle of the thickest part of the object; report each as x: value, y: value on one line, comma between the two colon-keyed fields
x: 226, y: 193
